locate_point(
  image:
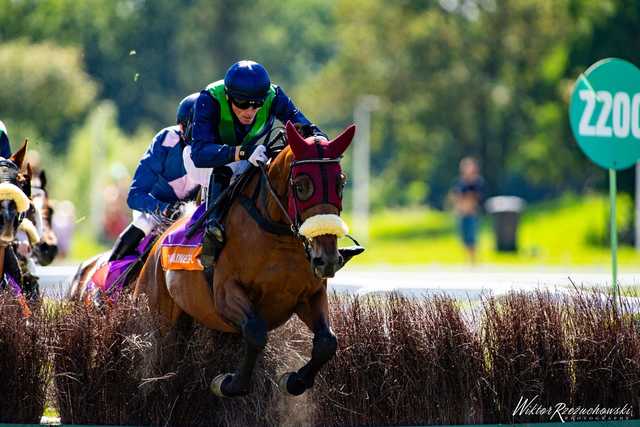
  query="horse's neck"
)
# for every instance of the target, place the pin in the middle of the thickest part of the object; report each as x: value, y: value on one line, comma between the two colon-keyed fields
x: 45, y: 212
x: 278, y: 174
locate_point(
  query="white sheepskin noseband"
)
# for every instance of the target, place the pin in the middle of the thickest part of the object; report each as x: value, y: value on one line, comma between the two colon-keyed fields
x: 318, y: 225
x: 27, y: 226
x: 13, y: 192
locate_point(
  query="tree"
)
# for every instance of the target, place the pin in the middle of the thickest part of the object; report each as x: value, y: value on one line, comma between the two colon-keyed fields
x: 44, y: 89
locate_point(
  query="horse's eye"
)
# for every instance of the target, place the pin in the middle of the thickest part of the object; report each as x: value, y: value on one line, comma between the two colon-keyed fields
x: 340, y: 183
x: 303, y: 186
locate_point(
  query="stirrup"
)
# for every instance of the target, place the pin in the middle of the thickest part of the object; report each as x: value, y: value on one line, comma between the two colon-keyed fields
x: 216, y: 231
x: 212, y: 243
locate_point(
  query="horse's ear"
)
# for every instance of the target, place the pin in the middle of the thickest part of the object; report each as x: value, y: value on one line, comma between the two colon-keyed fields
x: 18, y: 156
x: 29, y: 171
x: 341, y: 142
x: 295, y: 140
x: 43, y: 179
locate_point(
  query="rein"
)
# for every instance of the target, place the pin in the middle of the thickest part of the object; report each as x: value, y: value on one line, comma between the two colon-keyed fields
x: 295, y: 225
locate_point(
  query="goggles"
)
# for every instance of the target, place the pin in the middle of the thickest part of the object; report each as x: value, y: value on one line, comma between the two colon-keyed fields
x: 245, y: 104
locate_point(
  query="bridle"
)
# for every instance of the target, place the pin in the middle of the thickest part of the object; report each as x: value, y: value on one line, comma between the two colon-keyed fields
x: 294, y: 223
x: 9, y: 172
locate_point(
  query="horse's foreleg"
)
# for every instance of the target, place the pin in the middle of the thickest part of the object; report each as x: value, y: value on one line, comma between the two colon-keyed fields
x: 233, y: 303
x: 315, y: 314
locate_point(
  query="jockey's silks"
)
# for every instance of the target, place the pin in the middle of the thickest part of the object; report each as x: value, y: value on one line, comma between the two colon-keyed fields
x: 5, y: 147
x: 210, y: 148
x: 160, y: 178
x: 226, y: 126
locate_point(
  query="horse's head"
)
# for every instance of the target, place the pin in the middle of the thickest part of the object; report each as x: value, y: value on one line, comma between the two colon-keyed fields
x: 42, y: 210
x: 316, y: 182
x: 43, y: 240
x: 14, y: 195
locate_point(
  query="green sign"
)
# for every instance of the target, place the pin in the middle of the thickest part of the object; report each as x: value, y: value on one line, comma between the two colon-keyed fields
x: 605, y: 113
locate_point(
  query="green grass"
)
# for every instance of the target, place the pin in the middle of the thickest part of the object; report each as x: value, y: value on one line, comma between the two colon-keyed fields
x: 561, y: 232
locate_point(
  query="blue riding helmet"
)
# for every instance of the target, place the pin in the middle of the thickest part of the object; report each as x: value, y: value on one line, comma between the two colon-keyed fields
x: 184, y: 114
x: 247, y: 80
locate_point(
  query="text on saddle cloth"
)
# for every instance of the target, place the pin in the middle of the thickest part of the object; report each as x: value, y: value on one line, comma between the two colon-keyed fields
x: 181, y: 249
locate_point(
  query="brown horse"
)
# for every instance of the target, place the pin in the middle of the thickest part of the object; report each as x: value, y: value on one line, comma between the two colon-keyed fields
x: 14, y: 205
x: 39, y: 244
x: 46, y: 248
x: 275, y: 262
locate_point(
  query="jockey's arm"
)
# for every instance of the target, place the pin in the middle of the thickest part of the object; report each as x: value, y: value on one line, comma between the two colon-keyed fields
x: 206, y: 152
x: 285, y: 110
x: 148, y: 174
x: 198, y: 175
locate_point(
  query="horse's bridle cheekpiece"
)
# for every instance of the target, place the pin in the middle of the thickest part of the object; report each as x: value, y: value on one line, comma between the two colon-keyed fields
x: 8, y: 171
x: 10, y: 190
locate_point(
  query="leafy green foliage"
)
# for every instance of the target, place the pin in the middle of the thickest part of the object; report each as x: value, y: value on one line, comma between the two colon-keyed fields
x: 44, y: 89
x: 455, y: 78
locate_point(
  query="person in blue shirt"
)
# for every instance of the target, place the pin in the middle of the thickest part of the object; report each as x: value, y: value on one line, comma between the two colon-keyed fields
x: 5, y: 146
x: 230, y: 117
x: 467, y: 194
x: 160, y: 183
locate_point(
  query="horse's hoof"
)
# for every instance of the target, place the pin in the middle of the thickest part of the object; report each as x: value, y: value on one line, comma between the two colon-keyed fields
x: 218, y: 382
x: 291, y: 383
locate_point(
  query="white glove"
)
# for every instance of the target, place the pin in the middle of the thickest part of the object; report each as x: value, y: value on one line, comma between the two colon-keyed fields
x: 259, y: 155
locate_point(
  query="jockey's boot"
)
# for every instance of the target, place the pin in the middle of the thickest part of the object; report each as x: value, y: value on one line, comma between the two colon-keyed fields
x: 126, y: 243
x: 213, y: 240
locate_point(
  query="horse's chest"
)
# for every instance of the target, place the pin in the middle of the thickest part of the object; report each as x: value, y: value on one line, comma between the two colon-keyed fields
x: 278, y: 300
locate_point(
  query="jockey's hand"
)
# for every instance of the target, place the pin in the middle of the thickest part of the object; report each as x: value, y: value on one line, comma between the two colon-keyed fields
x: 173, y: 211
x: 258, y: 156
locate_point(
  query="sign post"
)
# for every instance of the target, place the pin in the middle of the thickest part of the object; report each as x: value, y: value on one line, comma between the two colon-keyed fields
x: 605, y: 120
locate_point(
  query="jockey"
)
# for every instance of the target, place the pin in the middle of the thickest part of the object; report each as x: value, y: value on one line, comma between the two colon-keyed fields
x: 230, y: 116
x: 5, y: 147
x: 160, y: 182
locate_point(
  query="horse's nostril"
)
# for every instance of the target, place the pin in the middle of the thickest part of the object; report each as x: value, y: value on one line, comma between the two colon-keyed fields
x: 318, y: 262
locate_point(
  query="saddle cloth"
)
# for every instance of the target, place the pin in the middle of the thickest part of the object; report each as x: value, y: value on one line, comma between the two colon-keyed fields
x: 180, y: 251
x: 109, y: 277
x: 9, y: 282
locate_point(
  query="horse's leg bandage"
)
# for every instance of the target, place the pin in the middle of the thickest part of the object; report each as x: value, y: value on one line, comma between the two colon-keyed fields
x: 318, y: 225
x: 13, y: 192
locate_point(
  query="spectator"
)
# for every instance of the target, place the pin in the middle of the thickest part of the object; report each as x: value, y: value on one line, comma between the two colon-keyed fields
x: 63, y: 224
x: 467, y: 194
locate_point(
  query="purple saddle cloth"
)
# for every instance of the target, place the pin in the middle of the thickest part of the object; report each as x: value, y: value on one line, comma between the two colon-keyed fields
x: 178, y: 237
x: 110, y: 277
x: 182, y: 247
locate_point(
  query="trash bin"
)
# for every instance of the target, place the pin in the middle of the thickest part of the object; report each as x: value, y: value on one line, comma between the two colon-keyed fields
x: 506, y: 214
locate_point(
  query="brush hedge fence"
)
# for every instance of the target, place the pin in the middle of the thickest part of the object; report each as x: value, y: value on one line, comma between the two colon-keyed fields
x: 400, y: 361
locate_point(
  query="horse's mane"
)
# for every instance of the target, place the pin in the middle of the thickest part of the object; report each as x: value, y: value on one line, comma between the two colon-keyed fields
x: 281, y: 163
